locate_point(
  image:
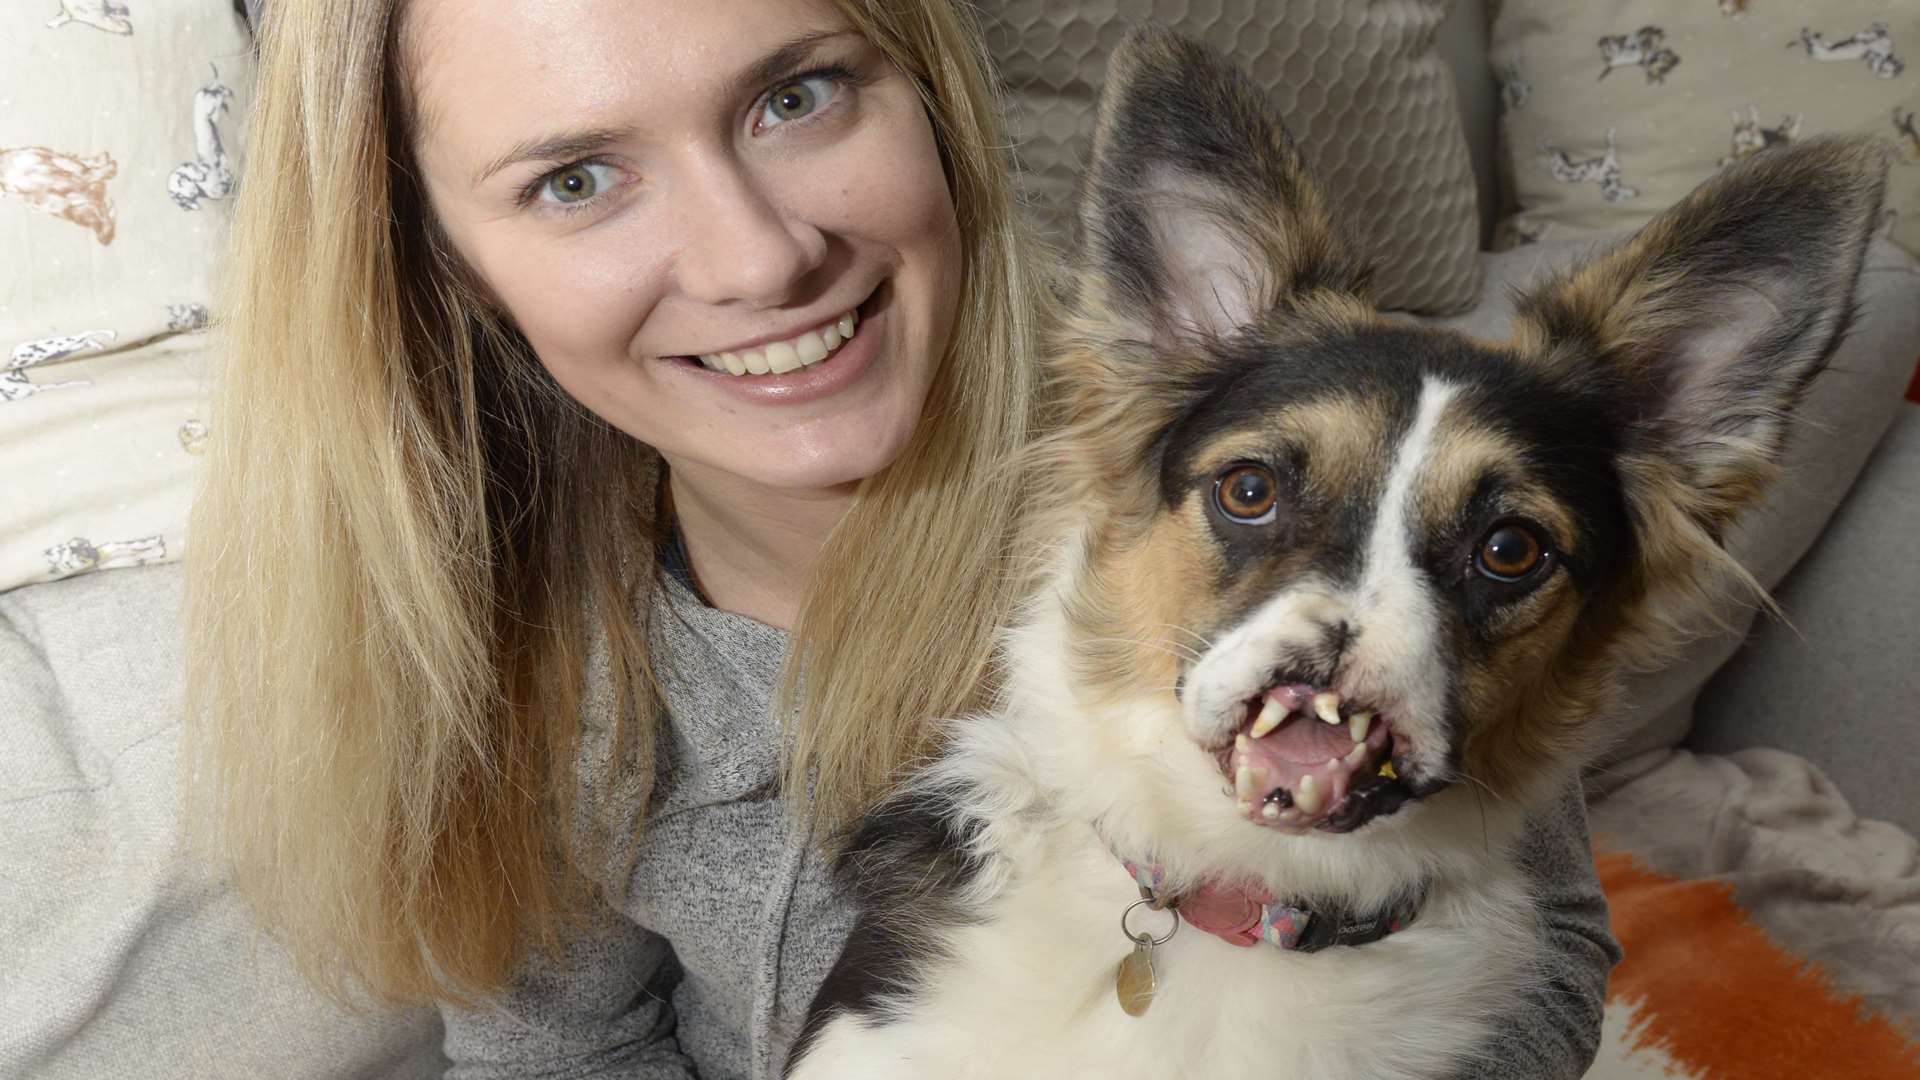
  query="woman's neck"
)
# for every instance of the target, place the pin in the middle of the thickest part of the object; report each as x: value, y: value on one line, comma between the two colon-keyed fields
x: 750, y: 547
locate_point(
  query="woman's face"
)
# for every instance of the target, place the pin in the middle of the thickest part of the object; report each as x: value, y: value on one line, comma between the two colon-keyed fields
x: 683, y: 204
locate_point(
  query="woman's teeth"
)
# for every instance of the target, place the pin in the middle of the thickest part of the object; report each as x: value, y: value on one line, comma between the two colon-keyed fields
x: 780, y: 357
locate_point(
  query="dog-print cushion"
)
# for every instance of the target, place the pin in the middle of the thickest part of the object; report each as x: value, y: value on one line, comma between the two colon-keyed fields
x: 120, y: 147
x: 1611, y: 112
x: 1360, y: 87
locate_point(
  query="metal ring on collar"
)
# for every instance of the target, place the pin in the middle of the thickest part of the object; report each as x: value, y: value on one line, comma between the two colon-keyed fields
x: 1145, y: 939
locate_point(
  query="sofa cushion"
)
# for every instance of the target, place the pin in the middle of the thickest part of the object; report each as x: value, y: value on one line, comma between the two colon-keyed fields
x: 120, y: 146
x: 1614, y: 111
x: 125, y: 955
x: 1839, y: 683
x: 1841, y: 420
x: 1360, y: 86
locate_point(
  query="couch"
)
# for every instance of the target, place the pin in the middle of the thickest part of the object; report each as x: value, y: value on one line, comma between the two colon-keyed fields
x: 1763, y: 773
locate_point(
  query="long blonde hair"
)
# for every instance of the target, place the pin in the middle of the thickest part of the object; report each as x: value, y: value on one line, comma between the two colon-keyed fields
x: 388, y: 619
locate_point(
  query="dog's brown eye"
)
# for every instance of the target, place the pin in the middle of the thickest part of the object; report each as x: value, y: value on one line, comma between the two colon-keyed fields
x: 1246, y: 494
x: 1510, y: 553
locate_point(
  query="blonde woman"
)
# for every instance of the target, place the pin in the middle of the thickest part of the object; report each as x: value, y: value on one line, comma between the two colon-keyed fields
x: 613, y: 479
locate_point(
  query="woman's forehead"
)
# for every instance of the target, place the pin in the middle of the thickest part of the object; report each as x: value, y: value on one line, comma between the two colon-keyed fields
x: 480, y: 70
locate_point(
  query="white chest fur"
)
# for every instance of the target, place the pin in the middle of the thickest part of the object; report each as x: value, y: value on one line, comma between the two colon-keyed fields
x: 1029, y: 990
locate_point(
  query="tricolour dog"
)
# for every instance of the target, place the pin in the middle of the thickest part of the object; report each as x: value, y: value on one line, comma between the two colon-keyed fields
x: 1333, y: 604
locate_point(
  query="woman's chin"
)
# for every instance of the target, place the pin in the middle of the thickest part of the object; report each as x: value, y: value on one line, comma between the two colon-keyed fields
x: 799, y: 467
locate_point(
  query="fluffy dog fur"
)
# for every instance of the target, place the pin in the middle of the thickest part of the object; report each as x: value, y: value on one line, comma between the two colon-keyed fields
x: 1221, y: 357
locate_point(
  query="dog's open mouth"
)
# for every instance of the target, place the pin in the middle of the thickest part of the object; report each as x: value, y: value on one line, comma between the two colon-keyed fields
x: 1306, y: 758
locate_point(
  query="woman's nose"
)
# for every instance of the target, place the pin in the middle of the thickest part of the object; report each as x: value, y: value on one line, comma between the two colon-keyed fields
x: 745, y: 243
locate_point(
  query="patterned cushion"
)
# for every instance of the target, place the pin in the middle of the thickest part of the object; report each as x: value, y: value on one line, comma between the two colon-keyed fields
x: 119, y: 155
x: 1614, y: 111
x: 1358, y: 84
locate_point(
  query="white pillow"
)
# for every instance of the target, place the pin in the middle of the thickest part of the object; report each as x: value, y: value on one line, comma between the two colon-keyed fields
x: 120, y: 146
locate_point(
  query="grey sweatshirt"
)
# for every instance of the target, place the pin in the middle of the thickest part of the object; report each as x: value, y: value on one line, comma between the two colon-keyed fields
x: 728, y: 922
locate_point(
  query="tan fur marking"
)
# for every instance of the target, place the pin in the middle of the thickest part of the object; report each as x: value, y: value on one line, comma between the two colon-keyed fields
x: 1464, y: 450
x: 1143, y: 603
x: 1533, y: 700
x: 1343, y: 439
x: 1527, y: 697
x: 1345, y: 442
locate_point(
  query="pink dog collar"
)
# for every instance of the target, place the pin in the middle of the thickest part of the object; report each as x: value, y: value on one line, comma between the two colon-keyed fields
x: 1242, y: 916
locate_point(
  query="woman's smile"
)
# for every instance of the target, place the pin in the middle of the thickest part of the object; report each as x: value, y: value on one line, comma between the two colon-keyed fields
x: 783, y: 353
x: 796, y: 369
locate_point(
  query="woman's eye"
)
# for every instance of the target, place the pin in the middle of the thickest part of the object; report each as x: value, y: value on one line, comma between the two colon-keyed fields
x: 1246, y: 494
x: 579, y: 182
x: 1510, y: 552
x: 797, y: 100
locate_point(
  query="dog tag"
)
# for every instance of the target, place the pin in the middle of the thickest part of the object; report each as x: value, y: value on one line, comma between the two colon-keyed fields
x: 1133, y: 979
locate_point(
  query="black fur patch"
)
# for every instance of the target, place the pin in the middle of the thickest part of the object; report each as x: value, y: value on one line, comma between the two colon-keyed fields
x: 902, y: 868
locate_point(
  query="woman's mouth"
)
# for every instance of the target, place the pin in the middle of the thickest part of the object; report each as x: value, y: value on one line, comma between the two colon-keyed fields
x: 806, y: 349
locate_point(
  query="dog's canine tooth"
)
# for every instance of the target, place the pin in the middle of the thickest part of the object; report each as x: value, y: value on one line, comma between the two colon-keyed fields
x: 1309, y: 796
x: 1243, y: 783
x: 1326, y: 704
x: 1270, y: 716
x: 1241, y: 744
x: 1359, y: 724
x: 1357, y: 754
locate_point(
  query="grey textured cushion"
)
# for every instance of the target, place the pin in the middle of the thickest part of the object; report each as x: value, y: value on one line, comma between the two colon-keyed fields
x: 120, y: 955
x: 1841, y: 685
x: 1842, y: 419
x: 1359, y: 85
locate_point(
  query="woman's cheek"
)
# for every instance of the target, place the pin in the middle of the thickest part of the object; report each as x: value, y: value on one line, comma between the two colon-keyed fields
x: 572, y: 299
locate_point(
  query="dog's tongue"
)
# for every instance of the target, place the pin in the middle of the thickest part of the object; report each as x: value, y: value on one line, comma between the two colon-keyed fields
x: 1303, y: 740
x: 1301, y: 748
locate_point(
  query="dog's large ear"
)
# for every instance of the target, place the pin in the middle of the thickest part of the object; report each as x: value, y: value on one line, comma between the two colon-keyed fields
x: 1196, y: 214
x: 1707, y: 325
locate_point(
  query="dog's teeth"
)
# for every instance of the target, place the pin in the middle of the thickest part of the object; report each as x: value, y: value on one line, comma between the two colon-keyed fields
x: 1243, y: 783
x: 1357, y: 754
x: 1333, y: 763
x: 1244, y: 806
x: 1270, y: 716
x: 1308, y: 797
x: 1271, y: 812
x: 1359, y: 724
x: 1326, y: 704
x: 1289, y: 816
x: 1242, y: 744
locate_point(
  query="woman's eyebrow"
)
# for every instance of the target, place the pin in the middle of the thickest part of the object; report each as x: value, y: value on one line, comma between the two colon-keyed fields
x: 754, y: 77
x: 554, y: 148
x: 780, y: 62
